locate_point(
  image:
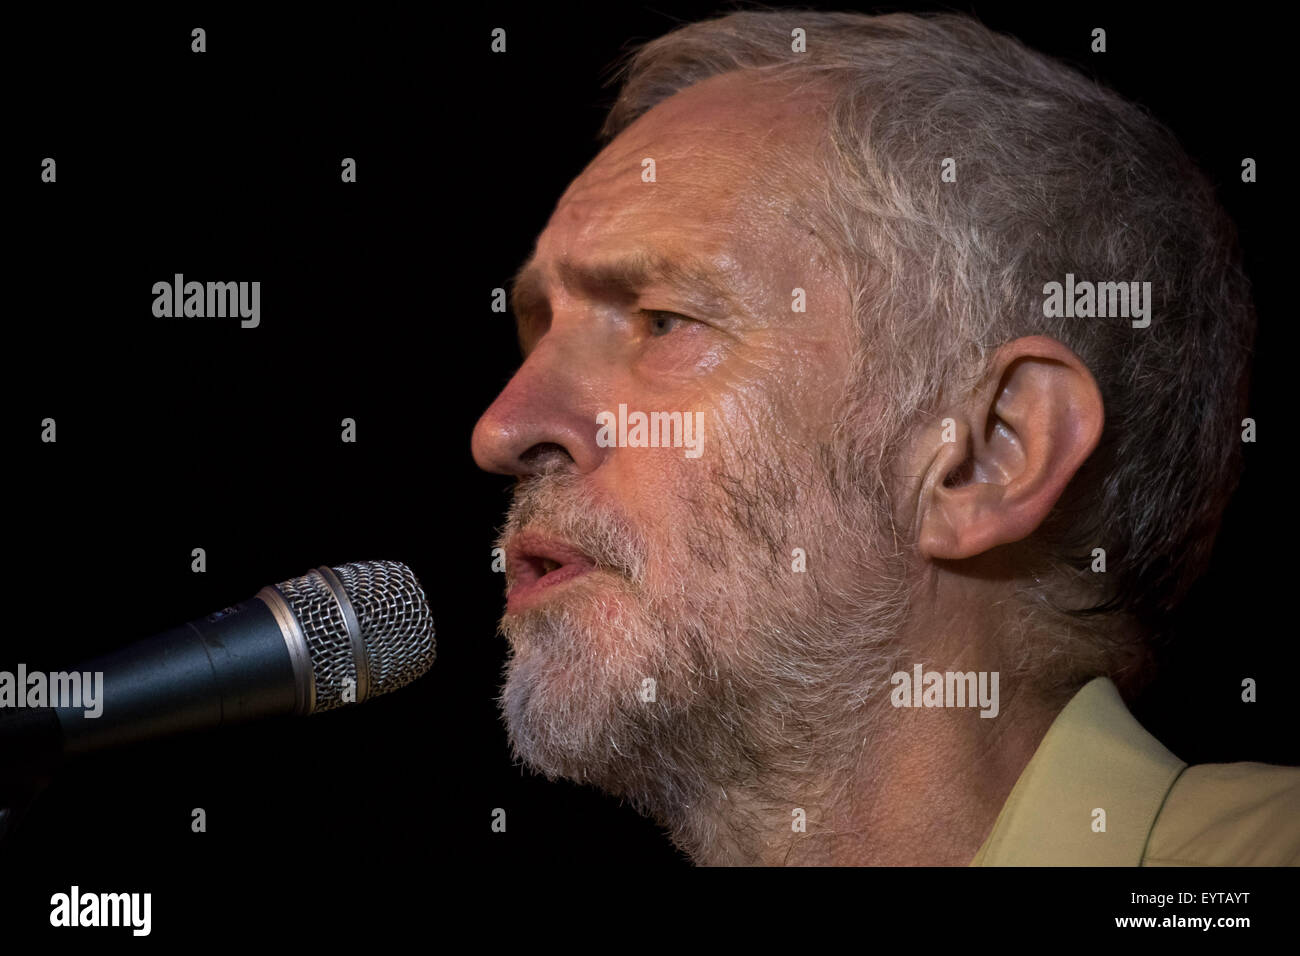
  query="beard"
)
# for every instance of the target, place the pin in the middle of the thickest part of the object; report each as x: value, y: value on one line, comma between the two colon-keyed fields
x: 695, y: 672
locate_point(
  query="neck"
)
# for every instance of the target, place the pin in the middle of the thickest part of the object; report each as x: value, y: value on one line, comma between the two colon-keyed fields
x: 924, y: 789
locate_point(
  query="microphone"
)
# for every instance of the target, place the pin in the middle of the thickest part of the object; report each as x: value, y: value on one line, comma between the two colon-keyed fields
x: 331, y: 637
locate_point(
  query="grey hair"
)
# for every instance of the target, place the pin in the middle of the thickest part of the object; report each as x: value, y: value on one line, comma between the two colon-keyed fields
x: 1056, y: 174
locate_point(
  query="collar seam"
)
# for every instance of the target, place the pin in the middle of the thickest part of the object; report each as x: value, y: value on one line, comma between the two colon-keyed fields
x: 1169, y: 789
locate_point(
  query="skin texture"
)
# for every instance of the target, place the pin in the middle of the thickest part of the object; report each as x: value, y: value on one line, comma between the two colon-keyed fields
x: 771, y: 685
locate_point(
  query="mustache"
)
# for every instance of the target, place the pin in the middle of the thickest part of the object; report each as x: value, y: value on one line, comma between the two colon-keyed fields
x: 562, y: 506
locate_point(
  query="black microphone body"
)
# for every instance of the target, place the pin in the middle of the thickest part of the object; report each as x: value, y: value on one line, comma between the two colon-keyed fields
x: 225, y: 668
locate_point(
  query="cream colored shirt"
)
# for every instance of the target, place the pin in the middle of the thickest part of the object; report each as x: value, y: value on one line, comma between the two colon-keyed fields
x: 1158, y: 810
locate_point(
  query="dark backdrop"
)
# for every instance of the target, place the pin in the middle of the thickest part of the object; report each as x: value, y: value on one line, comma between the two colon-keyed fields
x: 375, y: 305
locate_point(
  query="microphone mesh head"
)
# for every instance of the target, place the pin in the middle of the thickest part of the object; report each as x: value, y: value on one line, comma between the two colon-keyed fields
x: 394, y: 620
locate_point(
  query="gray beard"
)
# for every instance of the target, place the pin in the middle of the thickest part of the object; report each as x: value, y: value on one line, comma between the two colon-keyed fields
x: 767, y: 683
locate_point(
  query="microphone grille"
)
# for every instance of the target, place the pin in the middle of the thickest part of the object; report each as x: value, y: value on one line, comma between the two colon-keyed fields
x: 392, y: 619
x: 396, y: 623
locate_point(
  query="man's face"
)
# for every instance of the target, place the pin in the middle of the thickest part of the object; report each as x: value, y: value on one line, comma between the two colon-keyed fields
x: 665, y: 641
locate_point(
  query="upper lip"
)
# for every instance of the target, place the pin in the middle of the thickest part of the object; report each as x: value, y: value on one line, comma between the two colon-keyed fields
x: 530, y: 554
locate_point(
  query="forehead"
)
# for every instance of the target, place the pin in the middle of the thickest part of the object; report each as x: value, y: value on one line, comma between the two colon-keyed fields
x: 731, y: 157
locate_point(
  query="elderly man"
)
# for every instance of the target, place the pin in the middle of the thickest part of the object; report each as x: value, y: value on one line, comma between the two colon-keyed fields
x: 881, y: 396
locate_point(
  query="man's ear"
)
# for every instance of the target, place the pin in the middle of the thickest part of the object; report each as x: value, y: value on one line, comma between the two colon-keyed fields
x: 1018, y: 442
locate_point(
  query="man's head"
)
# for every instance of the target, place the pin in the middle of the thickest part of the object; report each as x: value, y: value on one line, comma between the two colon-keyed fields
x: 830, y: 267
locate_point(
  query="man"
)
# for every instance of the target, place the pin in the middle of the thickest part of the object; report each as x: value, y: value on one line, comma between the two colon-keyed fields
x: 842, y: 360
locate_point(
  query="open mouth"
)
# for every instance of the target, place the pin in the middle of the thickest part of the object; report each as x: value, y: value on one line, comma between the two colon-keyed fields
x: 536, y: 564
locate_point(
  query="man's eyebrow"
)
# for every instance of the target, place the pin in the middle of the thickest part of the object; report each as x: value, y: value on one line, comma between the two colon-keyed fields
x: 527, y: 291
x: 623, y: 278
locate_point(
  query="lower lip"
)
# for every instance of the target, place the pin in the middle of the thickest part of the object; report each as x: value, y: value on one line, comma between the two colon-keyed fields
x: 526, y: 595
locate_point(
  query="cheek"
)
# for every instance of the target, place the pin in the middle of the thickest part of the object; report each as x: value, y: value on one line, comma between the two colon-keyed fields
x: 785, y: 400
x: 664, y: 494
x: 758, y: 408
x: 681, y: 358
x: 653, y: 483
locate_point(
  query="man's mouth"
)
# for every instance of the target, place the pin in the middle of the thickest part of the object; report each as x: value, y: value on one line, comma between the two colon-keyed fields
x: 537, y: 564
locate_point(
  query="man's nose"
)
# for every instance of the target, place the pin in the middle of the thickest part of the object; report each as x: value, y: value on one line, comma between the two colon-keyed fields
x: 544, y: 418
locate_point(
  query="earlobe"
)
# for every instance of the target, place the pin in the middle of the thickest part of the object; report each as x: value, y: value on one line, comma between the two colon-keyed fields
x: 966, y: 520
x: 1027, y: 433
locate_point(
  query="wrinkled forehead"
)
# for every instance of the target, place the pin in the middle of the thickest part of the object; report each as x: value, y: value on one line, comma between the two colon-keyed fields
x: 724, y: 164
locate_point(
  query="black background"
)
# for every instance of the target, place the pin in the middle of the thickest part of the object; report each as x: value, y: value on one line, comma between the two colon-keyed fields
x: 176, y: 434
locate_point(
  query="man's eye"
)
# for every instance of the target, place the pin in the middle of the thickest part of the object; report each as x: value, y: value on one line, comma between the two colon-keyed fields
x: 661, y: 323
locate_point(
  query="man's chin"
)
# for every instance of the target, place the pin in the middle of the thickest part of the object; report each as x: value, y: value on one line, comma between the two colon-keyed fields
x: 576, y: 698
x: 557, y: 726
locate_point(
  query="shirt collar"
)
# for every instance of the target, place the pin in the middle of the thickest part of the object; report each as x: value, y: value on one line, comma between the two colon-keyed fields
x: 1095, y: 755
